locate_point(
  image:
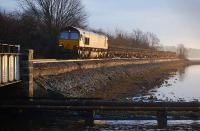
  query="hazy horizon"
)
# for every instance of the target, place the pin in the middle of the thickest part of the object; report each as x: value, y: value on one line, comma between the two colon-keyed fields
x: 173, y: 21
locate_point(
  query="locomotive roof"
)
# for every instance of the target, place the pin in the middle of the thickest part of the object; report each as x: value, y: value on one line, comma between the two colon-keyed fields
x: 82, y: 31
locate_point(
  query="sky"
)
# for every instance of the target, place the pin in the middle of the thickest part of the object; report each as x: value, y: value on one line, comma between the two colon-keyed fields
x: 173, y: 21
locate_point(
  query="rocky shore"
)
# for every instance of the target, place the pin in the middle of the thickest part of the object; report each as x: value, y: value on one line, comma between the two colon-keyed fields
x: 107, y: 82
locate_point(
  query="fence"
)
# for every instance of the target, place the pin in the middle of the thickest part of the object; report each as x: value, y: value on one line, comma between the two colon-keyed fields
x: 90, y: 107
x: 9, y: 64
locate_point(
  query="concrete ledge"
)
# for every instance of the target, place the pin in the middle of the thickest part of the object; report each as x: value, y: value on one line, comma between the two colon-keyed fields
x: 60, y: 67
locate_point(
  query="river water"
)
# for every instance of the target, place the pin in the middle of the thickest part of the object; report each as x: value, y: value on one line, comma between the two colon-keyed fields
x: 184, y: 85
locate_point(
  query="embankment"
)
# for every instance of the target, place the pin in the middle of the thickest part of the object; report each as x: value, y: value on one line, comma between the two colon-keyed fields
x: 108, y: 79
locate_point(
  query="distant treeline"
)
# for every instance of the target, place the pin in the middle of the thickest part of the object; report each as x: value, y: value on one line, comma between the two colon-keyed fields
x: 37, y: 25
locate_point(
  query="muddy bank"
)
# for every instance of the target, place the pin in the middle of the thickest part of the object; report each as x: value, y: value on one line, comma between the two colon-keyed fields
x: 141, y: 81
x: 105, y: 82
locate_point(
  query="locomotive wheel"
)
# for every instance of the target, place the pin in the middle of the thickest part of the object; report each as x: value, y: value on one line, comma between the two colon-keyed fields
x: 97, y: 56
x: 81, y: 54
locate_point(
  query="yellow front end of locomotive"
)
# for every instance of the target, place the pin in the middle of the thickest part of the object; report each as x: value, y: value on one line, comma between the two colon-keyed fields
x: 69, y: 44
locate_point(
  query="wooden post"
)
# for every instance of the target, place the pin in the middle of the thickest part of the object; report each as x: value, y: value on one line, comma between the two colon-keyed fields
x: 89, y: 118
x: 26, y: 72
x: 162, y: 119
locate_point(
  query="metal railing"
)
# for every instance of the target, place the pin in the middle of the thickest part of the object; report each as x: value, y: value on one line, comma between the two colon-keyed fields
x: 9, y: 64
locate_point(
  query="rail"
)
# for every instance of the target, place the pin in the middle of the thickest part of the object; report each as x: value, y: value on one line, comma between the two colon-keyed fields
x: 9, y: 64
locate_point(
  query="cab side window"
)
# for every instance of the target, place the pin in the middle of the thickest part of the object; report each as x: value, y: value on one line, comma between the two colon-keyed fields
x: 87, y: 41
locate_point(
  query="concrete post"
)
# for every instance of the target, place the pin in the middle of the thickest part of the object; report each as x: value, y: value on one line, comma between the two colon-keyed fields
x: 162, y: 119
x: 26, y: 72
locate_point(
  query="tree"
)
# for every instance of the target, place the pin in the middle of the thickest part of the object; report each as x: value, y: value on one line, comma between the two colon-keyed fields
x: 138, y: 35
x: 56, y: 13
x: 153, y: 40
x: 136, y: 39
x: 9, y: 28
x: 182, y: 52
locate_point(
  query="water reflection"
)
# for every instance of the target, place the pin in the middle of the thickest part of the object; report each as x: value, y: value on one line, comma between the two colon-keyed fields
x: 114, y: 125
x: 149, y: 125
x: 182, y: 72
x: 183, y: 86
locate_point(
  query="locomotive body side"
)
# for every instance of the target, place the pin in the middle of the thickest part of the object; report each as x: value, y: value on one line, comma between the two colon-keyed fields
x: 93, y: 40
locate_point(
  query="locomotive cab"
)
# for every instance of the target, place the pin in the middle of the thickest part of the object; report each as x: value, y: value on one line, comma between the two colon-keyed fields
x: 69, y: 38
